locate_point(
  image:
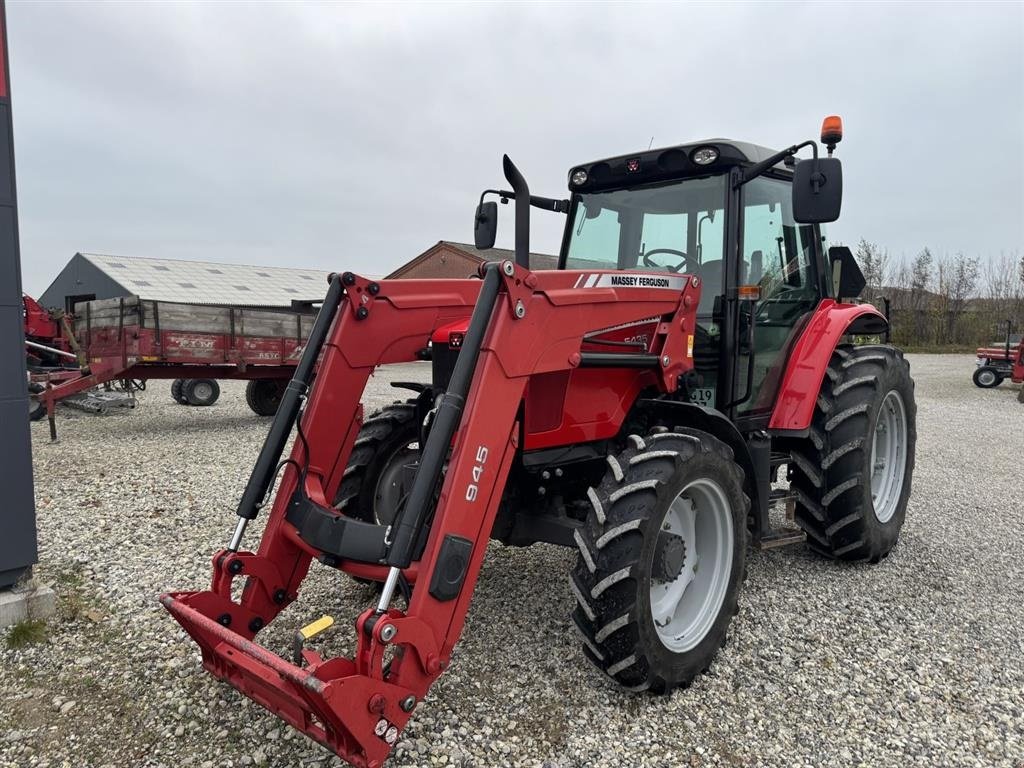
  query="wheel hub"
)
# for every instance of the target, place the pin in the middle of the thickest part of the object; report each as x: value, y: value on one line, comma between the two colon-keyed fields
x: 691, y: 566
x: 669, y: 556
x: 888, y: 456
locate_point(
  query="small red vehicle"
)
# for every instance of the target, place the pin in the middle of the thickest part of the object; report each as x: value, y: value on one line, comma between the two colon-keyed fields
x: 1001, y: 361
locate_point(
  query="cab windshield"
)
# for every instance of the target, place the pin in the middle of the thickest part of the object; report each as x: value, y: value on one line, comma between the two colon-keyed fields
x: 677, y: 226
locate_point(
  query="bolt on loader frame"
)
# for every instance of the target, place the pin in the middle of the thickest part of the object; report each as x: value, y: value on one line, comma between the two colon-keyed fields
x: 663, y: 484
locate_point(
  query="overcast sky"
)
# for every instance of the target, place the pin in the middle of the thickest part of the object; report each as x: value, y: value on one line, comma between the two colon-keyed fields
x: 355, y: 136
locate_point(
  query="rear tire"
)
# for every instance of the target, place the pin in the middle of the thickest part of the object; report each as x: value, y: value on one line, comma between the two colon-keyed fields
x: 177, y: 391
x: 852, y: 475
x: 987, y: 377
x: 373, y: 484
x: 668, y: 504
x: 264, y: 395
x: 201, y: 392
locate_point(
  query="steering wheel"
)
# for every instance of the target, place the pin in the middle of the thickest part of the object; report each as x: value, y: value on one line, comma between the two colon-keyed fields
x: 785, y: 295
x: 687, y: 261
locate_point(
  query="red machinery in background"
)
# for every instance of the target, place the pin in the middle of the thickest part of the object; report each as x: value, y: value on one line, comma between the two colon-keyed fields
x: 129, y: 340
x: 1001, y: 361
x: 48, y: 335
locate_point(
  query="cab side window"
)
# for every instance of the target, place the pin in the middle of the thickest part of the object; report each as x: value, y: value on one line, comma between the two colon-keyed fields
x: 778, y: 255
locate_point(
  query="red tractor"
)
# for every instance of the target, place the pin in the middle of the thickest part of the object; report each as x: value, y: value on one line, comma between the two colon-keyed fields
x: 1001, y: 361
x: 634, y: 404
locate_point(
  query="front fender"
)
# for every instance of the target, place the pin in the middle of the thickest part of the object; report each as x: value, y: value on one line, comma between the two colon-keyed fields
x: 806, y: 366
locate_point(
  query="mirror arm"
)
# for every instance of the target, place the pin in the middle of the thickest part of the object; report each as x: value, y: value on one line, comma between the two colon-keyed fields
x: 757, y: 169
x: 544, y: 203
x: 505, y: 196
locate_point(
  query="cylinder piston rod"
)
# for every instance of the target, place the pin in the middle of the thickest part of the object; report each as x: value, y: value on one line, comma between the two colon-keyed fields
x: 266, y: 463
x: 413, y: 516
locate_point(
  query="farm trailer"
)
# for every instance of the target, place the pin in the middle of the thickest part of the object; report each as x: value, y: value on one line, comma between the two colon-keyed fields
x: 131, y: 339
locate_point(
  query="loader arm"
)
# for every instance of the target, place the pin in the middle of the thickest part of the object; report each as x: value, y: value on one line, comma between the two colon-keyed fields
x: 530, y: 323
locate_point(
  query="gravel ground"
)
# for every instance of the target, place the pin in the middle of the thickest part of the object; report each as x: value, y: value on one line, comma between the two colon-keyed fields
x: 916, y: 661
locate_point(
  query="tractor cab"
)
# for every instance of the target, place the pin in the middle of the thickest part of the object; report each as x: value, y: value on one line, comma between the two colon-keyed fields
x: 680, y: 210
x: 742, y: 219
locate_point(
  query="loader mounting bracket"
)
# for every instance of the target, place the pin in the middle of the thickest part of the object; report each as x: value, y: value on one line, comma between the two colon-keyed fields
x: 344, y: 538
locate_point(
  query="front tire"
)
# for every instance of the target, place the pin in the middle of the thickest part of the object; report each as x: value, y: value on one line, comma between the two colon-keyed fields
x: 374, y: 483
x: 177, y: 392
x: 264, y: 395
x: 987, y: 377
x: 661, y: 560
x: 852, y: 475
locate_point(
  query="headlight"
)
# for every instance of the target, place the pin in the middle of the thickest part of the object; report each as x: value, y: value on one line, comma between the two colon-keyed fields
x: 579, y: 177
x: 704, y: 155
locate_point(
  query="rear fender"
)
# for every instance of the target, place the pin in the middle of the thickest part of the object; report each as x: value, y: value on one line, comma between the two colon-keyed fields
x: 806, y: 366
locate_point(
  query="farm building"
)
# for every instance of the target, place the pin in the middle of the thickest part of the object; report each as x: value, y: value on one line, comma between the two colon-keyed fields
x: 448, y: 259
x: 89, y: 276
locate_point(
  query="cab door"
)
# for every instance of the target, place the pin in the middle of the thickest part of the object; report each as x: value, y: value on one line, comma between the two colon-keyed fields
x: 779, y: 286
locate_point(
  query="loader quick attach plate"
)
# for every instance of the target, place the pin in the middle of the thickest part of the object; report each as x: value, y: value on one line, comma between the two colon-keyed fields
x: 523, y: 324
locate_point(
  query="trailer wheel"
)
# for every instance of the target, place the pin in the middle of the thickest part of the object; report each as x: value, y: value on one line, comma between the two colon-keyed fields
x: 987, y: 377
x: 36, y: 408
x: 661, y: 560
x: 374, y: 484
x: 852, y: 474
x: 201, y: 391
x: 264, y: 395
x: 177, y: 391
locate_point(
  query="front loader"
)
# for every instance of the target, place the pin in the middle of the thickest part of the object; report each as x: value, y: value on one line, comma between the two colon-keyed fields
x: 635, y: 404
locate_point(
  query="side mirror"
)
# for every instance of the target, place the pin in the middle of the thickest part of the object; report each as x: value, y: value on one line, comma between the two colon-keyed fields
x: 485, y: 225
x: 847, y: 279
x: 817, y: 194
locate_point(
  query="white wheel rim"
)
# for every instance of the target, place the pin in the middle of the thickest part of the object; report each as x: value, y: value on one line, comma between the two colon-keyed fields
x: 888, y: 456
x: 986, y: 377
x: 685, y: 609
x: 202, y: 391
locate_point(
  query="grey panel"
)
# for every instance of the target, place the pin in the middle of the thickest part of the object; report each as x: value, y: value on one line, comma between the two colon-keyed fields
x: 10, y: 278
x: 12, y: 353
x: 17, y: 519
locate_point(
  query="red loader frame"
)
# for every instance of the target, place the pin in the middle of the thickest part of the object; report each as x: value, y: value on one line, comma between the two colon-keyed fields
x: 524, y: 324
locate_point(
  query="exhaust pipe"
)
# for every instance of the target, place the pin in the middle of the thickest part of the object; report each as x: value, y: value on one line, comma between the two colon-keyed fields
x: 522, y: 191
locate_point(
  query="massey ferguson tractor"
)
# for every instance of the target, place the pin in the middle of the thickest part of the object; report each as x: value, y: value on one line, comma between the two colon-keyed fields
x: 635, y: 404
x: 997, y: 362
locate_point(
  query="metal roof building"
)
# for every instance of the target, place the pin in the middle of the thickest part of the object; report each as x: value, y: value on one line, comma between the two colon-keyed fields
x: 90, y: 276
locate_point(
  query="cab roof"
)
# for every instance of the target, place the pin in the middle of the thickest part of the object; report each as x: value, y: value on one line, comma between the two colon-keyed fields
x: 668, y: 163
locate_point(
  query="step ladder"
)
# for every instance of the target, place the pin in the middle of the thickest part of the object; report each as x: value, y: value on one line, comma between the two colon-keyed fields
x: 786, y: 535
